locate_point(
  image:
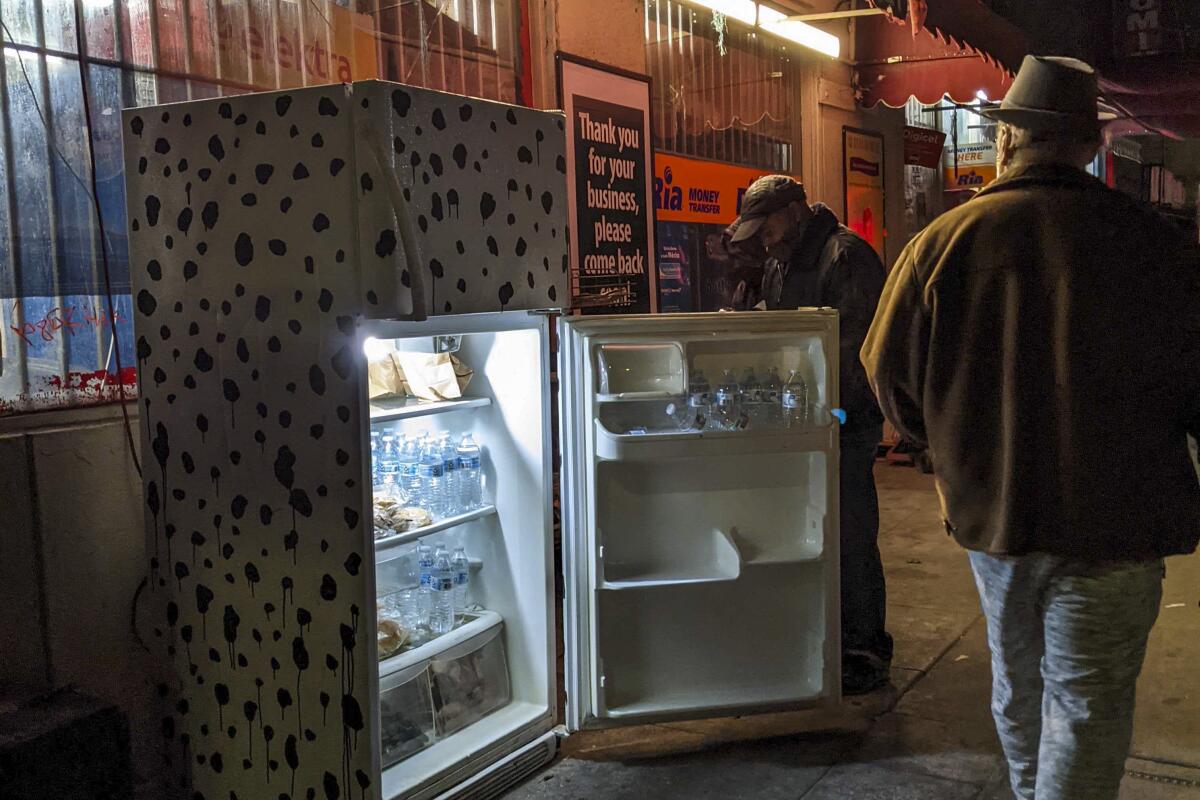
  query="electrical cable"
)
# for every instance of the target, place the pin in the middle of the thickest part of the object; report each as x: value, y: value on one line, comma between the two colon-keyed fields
x: 84, y: 83
x: 94, y: 196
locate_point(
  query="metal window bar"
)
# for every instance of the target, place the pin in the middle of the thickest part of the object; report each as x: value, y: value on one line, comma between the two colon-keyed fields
x: 154, y: 51
x: 692, y: 79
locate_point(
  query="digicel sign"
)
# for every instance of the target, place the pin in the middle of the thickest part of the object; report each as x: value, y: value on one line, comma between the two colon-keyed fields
x: 922, y: 146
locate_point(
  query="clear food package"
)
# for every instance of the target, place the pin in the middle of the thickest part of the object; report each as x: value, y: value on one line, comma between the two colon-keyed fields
x: 469, y: 681
x: 406, y: 714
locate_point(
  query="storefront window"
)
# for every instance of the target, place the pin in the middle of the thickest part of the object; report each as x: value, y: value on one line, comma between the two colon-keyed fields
x: 722, y: 115
x: 721, y: 91
x: 56, y: 347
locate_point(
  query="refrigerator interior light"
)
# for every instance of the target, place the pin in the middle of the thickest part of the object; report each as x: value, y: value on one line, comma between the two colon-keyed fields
x: 375, y: 349
x: 804, y: 34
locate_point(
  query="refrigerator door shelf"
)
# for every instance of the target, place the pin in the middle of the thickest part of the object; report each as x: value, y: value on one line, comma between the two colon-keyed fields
x: 387, y: 543
x: 393, y: 408
x: 710, y: 559
x: 446, y: 646
x: 710, y: 444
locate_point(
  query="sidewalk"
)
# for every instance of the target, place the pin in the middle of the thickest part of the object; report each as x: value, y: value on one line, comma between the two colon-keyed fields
x: 931, y: 735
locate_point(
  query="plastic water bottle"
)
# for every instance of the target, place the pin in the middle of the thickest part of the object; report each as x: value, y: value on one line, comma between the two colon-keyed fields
x: 699, y: 401
x: 409, y: 473
x: 441, y: 616
x: 462, y: 579
x: 794, y: 401
x: 451, y: 483
x: 727, y: 405
x: 376, y: 453
x: 752, y: 397
x: 386, y: 454
x: 471, y: 473
x: 425, y: 562
x: 432, y: 485
x: 771, y: 389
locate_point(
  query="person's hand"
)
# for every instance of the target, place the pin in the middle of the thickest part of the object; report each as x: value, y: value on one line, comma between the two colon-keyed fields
x: 739, y: 295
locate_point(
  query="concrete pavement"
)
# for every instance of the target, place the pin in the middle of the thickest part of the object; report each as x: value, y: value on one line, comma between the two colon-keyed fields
x: 928, y: 736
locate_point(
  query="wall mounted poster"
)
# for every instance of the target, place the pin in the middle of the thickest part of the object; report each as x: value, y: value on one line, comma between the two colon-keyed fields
x: 694, y: 201
x: 863, y: 177
x: 609, y: 176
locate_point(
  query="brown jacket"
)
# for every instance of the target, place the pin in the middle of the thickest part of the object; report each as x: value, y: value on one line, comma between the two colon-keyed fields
x: 1044, y: 340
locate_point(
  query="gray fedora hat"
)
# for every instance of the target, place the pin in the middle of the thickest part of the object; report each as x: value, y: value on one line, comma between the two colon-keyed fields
x: 1051, y: 92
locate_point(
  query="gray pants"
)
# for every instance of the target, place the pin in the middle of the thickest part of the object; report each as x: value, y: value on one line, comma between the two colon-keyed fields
x: 1068, y: 640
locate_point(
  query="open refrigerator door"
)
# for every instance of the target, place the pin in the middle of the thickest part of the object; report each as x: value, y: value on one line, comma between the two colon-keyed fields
x: 463, y: 564
x: 700, y: 515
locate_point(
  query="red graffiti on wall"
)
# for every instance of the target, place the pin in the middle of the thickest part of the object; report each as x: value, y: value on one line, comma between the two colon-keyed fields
x: 93, y: 381
x: 62, y: 318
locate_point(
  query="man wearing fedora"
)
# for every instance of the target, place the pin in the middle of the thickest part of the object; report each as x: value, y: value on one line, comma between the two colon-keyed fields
x: 1043, y: 340
x: 814, y: 260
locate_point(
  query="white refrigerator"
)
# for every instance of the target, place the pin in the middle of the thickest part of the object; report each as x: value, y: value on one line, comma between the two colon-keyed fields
x: 700, y: 566
x: 274, y: 239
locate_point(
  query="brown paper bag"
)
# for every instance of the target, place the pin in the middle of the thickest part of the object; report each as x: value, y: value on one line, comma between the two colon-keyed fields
x: 385, y: 378
x: 434, y: 376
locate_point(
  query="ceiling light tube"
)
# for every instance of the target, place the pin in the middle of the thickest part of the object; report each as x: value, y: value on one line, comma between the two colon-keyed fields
x: 741, y: 10
x: 804, y: 34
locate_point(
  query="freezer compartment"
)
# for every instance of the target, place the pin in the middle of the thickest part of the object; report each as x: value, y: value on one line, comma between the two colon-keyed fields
x: 406, y: 714
x: 688, y: 520
x: 691, y: 650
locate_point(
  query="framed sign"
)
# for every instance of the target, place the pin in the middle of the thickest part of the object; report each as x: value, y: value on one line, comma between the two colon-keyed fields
x: 862, y: 180
x: 609, y: 177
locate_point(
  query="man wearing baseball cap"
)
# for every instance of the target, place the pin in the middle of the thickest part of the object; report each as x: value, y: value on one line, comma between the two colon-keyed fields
x: 1043, y: 339
x: 816, y: 261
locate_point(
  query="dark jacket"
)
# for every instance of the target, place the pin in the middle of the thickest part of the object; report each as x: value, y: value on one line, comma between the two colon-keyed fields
x: 832, y: 266
x: 1044, y: 340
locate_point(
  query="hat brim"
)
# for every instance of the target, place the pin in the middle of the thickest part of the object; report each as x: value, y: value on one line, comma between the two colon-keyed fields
x: 1041, y: 119
x: 747, y: 228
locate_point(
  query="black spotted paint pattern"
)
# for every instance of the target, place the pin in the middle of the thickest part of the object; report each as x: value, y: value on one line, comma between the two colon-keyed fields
x: 250, y: 393
x: 251, y: 268
x: 486, y: 188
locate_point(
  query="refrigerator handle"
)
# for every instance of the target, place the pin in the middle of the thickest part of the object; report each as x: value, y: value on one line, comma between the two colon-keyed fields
x: 408, y: 238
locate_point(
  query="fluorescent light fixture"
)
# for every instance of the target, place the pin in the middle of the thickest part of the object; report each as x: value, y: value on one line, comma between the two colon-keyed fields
x: 777, y: 23
x: 804, y: 34
x: 741, y: 10
x: 767, y: 15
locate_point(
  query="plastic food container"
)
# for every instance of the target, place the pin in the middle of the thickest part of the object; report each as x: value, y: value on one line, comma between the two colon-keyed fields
x: 406, y: 713
x: 629, y: 371
x: 469, y: 681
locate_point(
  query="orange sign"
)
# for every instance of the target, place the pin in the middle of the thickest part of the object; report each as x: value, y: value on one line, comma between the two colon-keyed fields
x: 976, y: 176
x: 863, y: 174
x: 691, y: 190
x: 300, y: 45
x: 975, y: 168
